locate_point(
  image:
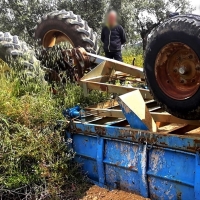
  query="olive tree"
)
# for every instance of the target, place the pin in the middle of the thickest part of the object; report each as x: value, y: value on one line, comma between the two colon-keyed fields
x: 138, y: 17
x: 20, y: 16
x: 143, y: 15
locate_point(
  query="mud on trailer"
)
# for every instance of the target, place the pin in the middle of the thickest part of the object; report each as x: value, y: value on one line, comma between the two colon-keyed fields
x: 143, y: 141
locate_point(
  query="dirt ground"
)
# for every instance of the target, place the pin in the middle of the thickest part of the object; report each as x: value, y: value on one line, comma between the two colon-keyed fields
x: 97, y: 193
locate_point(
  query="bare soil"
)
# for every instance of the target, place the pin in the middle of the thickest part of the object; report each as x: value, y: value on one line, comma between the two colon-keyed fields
x: 97, y: 193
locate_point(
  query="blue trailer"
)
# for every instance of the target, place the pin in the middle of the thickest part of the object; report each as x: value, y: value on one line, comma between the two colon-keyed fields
x: 117, y: 151
x: 130, y: 143
x: 123, y: 158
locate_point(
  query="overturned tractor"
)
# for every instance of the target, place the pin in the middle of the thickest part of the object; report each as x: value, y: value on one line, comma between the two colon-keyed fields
x: 65, y: 26
x: 171, y: 66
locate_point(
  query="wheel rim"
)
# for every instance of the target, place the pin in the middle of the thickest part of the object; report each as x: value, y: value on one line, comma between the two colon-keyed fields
x: 53, y: 37
x: 177, y: 71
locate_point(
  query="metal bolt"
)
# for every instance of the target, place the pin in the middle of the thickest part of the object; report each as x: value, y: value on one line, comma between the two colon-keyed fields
x: 182, y: 70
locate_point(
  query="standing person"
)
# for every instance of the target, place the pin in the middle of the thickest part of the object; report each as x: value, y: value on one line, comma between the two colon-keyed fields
x: 113, y: 37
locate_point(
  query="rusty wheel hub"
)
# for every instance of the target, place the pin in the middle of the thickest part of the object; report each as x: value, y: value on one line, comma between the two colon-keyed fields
x: 177, y: 71
x: 81, y: 61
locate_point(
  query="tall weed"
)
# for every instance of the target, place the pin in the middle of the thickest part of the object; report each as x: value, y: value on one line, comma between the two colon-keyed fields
x: 35, y: 159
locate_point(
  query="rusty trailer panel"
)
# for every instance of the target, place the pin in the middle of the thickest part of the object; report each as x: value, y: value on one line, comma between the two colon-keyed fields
x: 158, y: 166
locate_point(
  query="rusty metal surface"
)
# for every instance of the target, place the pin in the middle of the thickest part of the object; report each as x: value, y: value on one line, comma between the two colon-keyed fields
x: 81, y: 61
x: 181, y: 142
x: 177, y: 71
x: 158, y: 166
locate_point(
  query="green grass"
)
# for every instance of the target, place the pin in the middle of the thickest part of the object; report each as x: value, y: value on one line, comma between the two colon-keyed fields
x: 35, y: 161
x: 130, y: 54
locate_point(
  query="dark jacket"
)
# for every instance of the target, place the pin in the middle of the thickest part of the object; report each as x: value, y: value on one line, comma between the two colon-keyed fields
x: 113, y: 38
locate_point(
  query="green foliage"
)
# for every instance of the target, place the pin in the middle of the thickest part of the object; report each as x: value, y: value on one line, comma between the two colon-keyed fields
x: 26, y: 101
x: 19, y: 17
x: 35, y: 160
x: 131, y: 54
x: 141, y: 16
x: 138, y: 16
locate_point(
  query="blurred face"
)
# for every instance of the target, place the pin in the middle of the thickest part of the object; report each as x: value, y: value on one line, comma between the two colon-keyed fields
x: 112, y: 18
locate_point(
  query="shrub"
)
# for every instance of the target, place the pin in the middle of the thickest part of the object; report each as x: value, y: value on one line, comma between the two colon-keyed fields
x: 35, y: 160
x: 36, y: 164
x: 130, y: 54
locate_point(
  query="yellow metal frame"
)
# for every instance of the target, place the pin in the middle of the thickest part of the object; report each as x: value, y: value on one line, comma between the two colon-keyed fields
x: 99, y: 78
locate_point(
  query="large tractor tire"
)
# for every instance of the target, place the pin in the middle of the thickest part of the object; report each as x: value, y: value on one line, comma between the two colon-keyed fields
x: 172, y: 66
x: 61, y: 26
x: 12, y: 47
